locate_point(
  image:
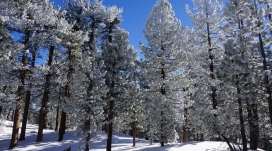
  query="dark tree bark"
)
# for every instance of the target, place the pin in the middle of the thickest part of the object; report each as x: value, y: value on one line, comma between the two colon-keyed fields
x: 109, y: 139
x: 45, y: 123
x: 67, y: 93
x: 27, y: 99
x: 185, y: 133
x: 43, y: 112
x: 16, y: 121
x: 88, y: 137
x: 266, y: 79
x: 163, y: 92
x: 62, y: 125
x: 253, y: 121
x: 111, y: 102
x: 57, y: 119
x: 241, y: 118
x: 134, y: 133
x: 23, y: 129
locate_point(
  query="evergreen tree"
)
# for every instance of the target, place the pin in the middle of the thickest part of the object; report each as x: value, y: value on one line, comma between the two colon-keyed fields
x: 119, y: 59
x: 162, y: 66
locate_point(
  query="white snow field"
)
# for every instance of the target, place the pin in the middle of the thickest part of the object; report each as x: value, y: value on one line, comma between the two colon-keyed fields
x: 120, y: 142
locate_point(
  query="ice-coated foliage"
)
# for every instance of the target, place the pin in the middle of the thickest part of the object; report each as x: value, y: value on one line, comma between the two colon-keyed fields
x: 161, y: 69
x: 204, y: 59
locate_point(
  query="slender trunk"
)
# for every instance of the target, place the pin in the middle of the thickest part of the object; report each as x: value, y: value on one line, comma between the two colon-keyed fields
x: 111, y: 102
x: 27, y: 99
x: 185, y: 134
x: 88, y: 137
x: 241, y: 118
x: 57, y: 118
x: 87, y: 124
x: 62, y: 126
x: 23, y: 129
x: 134, y: 133
x: 68, y: 93
x: 163, y: 92
x: 109, y: 140
x: 266, y: 79
x: 16, y: 121
x: 253, y: 121
x: 43, y: 111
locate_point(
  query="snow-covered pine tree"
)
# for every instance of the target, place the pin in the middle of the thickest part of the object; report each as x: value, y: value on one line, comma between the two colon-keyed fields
x: 119, y: 62
x: 89, y: 18
x: 163, y: 58
x: 206, y: 22
x: 235, y: 69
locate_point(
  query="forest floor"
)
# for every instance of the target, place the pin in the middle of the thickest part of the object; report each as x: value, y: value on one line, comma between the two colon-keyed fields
x: 120, y: 142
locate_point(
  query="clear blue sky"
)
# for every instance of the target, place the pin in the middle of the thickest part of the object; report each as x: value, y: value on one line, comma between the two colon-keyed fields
x: 135, y: 13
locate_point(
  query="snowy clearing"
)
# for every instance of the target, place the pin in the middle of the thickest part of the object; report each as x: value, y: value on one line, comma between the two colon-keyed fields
x: 121, y: 142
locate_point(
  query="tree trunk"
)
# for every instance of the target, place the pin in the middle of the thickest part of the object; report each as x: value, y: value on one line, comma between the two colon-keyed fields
x: 185, y: 134
x: 134, y: 133
x: 45, y: 123
x: 241, y: 118
x: 27, y: 99
x: 62, y: 125
x: 88, y: 137
x: 15, y: 128
x: 23, y: 129
x: 67, y: 93
x: 266, y: 79
x: 109, y: 140
x: 253, y: 121
x: 57, y: 119
x: 163, y: 92
x: 111, y: 102
x: 16, y: 121
x: 43, y: 119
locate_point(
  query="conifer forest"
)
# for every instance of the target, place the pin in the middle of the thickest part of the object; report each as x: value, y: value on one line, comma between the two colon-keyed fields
x: 208, y: 82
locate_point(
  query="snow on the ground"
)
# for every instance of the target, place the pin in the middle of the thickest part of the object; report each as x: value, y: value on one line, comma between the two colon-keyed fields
x: 120, y: 142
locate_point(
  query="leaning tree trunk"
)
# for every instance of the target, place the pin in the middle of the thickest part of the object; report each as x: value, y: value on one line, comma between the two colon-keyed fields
x: 43, y: 112
x: 16, y: 121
